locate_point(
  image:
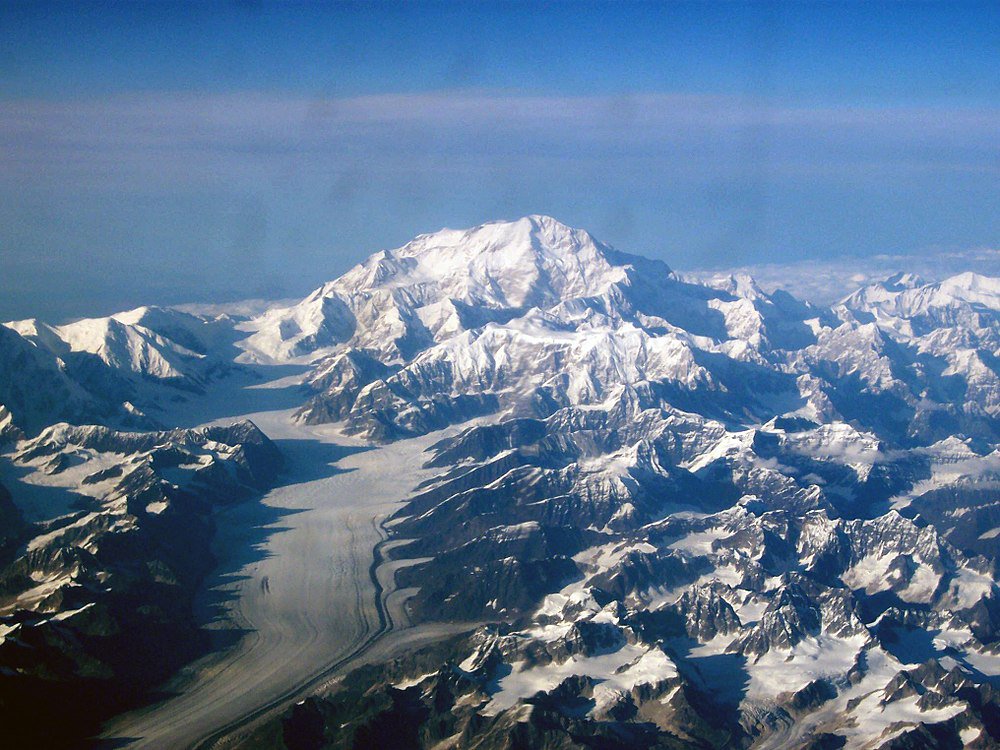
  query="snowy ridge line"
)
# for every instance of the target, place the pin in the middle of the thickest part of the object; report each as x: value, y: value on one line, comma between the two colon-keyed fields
x: 700, y: 510
x: 741, y: 451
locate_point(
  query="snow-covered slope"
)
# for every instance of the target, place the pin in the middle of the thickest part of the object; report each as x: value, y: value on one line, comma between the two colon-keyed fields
x: 110, y: 369
x: 725, y: 512
x: 438, y: 285
x: 685, y: 513
x: 151, y: 342
x: 35, y: 388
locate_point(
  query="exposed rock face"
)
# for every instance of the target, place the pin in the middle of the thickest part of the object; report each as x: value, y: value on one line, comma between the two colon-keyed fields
x: 702, y: 515
x: 685, y: 514
x: 9, y: 431
x: 95, y: 601
x: 11, y: 524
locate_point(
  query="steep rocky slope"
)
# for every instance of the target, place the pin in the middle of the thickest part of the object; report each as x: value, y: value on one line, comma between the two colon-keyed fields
x: 696, y: 515
x: 106, y: 536
x: 686, y: 514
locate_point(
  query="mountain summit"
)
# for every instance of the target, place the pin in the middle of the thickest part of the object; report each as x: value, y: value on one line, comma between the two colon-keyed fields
x: 445, y: 282
x: 681, y: 509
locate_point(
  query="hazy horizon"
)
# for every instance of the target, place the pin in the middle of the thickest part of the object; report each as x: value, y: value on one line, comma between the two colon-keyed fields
x: 181, y: 153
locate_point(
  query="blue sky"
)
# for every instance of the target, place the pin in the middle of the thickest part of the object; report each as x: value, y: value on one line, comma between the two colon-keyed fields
x: 184, y: 152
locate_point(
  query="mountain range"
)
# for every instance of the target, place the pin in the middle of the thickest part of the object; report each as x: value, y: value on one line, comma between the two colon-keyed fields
x: 674, y: 513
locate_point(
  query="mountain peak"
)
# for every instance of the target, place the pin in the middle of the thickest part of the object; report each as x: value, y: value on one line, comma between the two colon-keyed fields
x: 543, y: 222
x: 900, y: 281
x: 502, y: 264
x: 527, y: 236
x: 534, y: 261
x: 975, y: 282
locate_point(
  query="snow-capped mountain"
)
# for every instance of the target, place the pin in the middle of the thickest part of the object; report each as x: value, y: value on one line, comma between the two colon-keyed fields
x: 439, y: 285
x: 953, y: 326
x: 705, y: 497
x: 907, y: 302
x: 150, y: 343
x: 676, y: 513
x: 526, y: 317
x: 116, y: 370
x: 517, y: 317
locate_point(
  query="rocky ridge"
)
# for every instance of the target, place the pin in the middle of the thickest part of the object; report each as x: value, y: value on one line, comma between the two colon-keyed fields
x: 691, y: 514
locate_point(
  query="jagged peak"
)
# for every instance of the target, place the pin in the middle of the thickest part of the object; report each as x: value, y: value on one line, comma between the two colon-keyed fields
x: 901, y: 280
x: 908, y: 294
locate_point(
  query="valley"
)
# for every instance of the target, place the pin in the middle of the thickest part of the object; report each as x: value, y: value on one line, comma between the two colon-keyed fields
x: 295, y: 575
x: 509, y: 486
